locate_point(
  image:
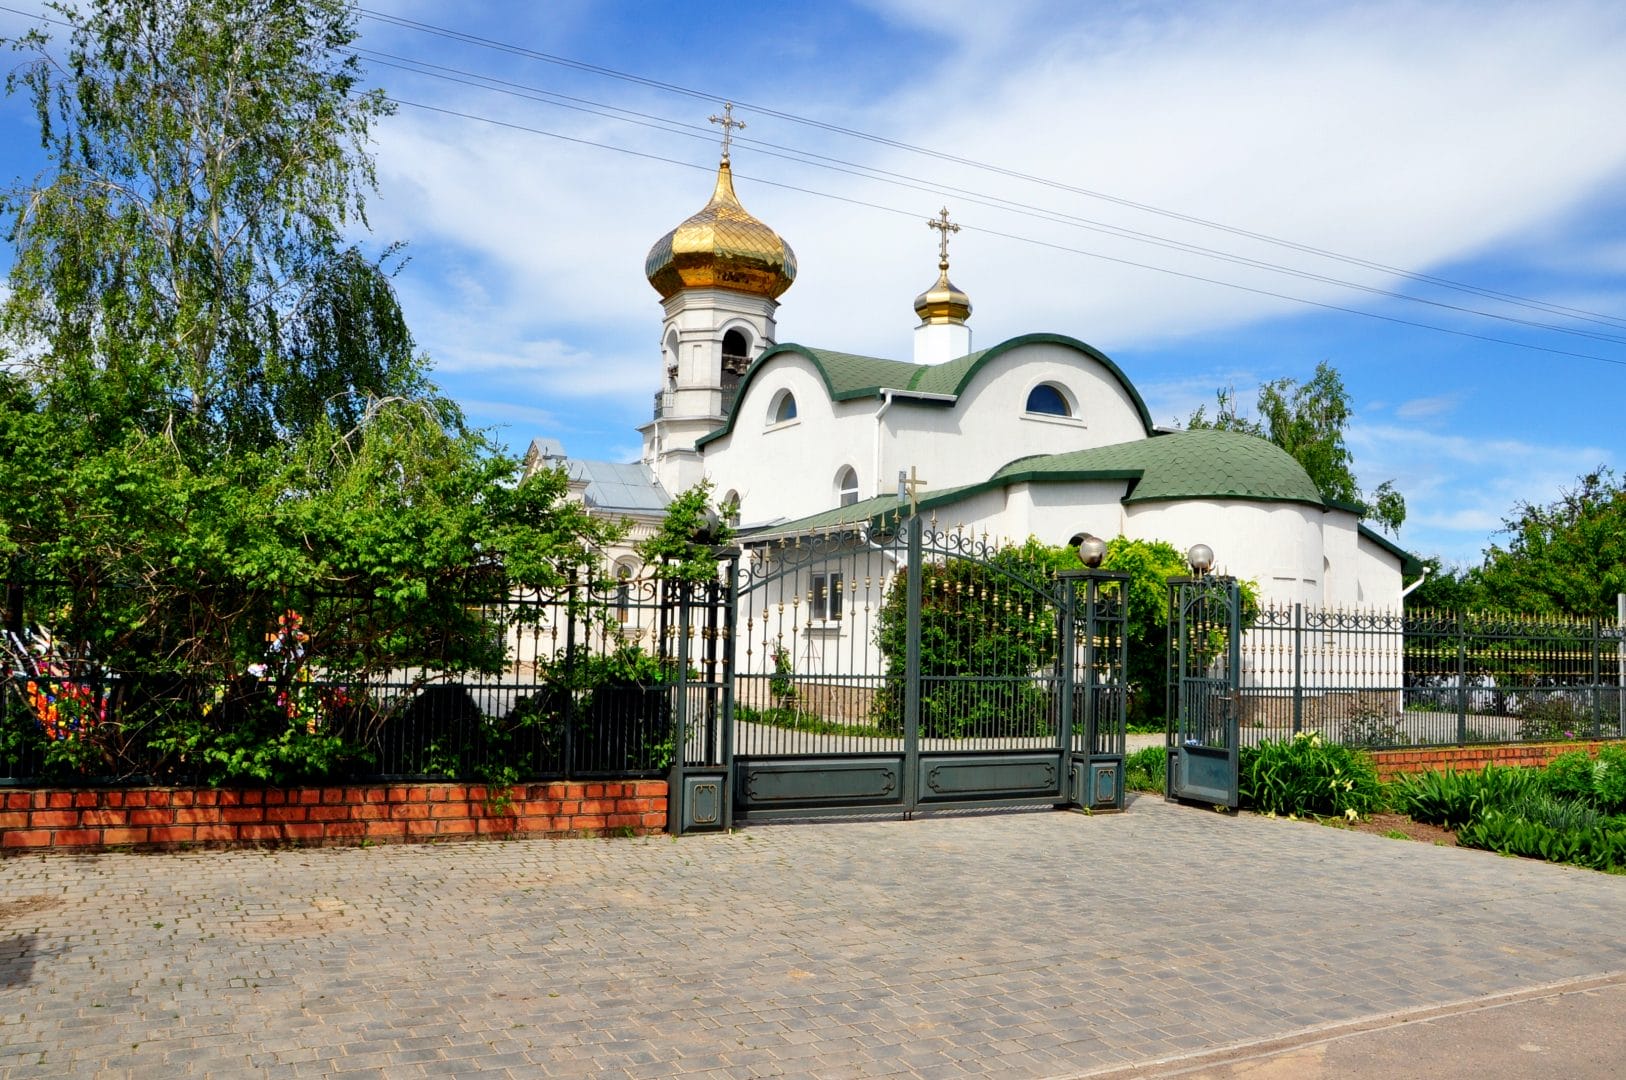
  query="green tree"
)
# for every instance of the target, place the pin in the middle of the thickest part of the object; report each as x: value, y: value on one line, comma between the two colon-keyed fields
x: 212, y: 408
x: 1565, y: 557
x: 1447, y: 588
x: 683, y: 548
x: 1308, y: 420
x: 179, y: 265
x: 987, y: 633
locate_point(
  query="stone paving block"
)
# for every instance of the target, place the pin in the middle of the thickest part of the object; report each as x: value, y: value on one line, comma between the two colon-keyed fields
x: 1022, y: 945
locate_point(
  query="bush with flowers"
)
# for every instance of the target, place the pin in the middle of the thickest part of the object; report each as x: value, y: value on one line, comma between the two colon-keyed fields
x: 62, y: 691
x: 1308, y: 776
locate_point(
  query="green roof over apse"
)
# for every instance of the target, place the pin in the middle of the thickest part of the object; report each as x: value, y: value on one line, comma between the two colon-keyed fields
x: 1177, y: 465
x: 848, y: 376
x: 1181, y: 465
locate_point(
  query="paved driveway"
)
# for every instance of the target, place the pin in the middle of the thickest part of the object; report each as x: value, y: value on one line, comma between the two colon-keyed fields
x: 1005, y: 944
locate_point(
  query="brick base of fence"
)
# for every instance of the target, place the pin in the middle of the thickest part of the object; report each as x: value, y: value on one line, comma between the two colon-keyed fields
x: 1473, y: 758
x: 168, y: 818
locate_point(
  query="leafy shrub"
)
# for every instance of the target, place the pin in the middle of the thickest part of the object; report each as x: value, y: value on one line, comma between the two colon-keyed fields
x: 1453, y: 799
x: 1600, y: 781
x: 1509, y: 833
x: 1570, y: 775
x: 1306, y: 775
x: 1552, y: 717
x: 1609, y: 780
x: 1146, y: 770
x: 986, y: 629
x: 1371, y: 724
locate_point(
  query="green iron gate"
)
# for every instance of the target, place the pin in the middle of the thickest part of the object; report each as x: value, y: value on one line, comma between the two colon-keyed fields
x: 894, y: 669
x: 1203, y: 725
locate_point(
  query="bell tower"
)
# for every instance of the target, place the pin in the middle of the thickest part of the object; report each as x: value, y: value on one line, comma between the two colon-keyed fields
x: 719, y: 275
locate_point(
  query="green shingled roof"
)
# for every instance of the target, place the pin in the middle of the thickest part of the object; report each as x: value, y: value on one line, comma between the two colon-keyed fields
x: 865, y: 510
x: 847, y: 375
x: 1181, y: 465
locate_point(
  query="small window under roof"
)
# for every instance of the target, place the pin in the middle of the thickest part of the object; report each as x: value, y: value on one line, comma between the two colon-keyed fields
x: 1048, y: 401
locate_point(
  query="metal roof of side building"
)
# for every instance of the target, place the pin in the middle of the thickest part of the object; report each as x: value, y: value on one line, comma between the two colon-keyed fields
x: 611, y: 485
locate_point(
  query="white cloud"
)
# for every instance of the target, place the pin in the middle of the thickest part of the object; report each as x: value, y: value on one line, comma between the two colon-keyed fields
x: 1421, y: 408
x: 1459, y: 489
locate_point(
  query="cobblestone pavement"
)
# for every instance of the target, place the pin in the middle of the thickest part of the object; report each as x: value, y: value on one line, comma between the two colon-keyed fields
x: 1036, y: 944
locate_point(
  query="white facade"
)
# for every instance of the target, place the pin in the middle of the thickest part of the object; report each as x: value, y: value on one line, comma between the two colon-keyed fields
x: 1041, y: 435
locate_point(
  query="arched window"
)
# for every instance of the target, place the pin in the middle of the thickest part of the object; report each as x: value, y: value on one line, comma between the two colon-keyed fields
x: 784, y: 408
x: 846, y: 486
x: 1048, y: 400
x: 736, y: 347
x: 730, y: 506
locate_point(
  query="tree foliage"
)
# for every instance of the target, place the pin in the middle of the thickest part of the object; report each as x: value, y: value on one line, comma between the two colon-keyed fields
x: 1308, y: 420
x: 987, y: 629
x: 684, y: 546
x: 991, y: 621
x: 180, y: 263
x: 1568, y: 556
x: 213, y: 410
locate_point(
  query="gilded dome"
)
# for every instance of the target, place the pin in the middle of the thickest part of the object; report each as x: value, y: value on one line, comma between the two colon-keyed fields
x: 721, y: 247
x: 943, y: 302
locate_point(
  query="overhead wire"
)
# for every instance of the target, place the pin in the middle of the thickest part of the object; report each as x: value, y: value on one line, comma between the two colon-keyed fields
x: 832, y: 164
x: 1581, y: 314
x: 1326, y: 306
x: 868, y: 172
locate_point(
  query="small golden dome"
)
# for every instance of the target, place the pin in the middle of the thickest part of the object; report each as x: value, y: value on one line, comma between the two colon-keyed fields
x: 721, y: 247
x: 943, y: 303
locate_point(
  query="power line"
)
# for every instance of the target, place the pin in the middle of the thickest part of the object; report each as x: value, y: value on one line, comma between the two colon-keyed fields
x: 677, y: 127
x: 511, y: 125
x: 674, y: 88
x: 867, y: 172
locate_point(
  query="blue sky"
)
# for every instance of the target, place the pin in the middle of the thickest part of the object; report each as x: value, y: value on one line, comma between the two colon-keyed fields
x: 1477, y: 143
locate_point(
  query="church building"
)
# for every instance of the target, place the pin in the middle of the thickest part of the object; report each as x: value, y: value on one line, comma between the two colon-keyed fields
x: 1040, y: 435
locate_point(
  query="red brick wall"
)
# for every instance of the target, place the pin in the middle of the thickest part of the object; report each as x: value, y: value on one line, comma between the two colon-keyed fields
x: 1472, y: 758
x: 155, y: 818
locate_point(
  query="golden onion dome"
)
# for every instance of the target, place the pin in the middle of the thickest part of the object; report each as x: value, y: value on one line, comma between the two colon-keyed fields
x: 943, y: 302
x: 721, y: 247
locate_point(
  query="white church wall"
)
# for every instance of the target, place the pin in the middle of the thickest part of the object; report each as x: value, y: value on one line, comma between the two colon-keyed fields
x: 1275, y: 545
x: 788, y: 470
x: 993, y: 406
x: 1379, y: 576
x: 1055, y: 513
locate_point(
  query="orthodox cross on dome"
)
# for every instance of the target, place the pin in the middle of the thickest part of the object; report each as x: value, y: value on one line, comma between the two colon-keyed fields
x: 941, y: 224
x: 729, y: 123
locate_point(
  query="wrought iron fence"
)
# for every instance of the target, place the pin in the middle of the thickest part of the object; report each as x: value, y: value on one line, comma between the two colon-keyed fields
x: 1430, y: 678
x: 501, y: 684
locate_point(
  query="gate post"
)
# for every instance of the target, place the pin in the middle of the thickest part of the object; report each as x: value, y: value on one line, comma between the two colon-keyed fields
x: 676, y: 810
x: 911, y: 689
x: 730, y: 594
x: 1298, y: 668
x: 1597, y: 677
x: 1067, y: 671
x: 1462, y: 680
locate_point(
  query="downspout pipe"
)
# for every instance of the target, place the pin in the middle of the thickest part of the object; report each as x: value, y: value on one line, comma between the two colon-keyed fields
x: 886, y: 403
x: 1409, y: 589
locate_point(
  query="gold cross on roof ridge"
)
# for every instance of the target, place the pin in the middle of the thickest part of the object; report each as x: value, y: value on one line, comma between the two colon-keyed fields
x: 728, y: 123
x: 942, y: 224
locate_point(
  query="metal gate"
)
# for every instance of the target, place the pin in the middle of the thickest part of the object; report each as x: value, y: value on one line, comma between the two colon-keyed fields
x: 1204, y: 699
x: 899, y: 667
